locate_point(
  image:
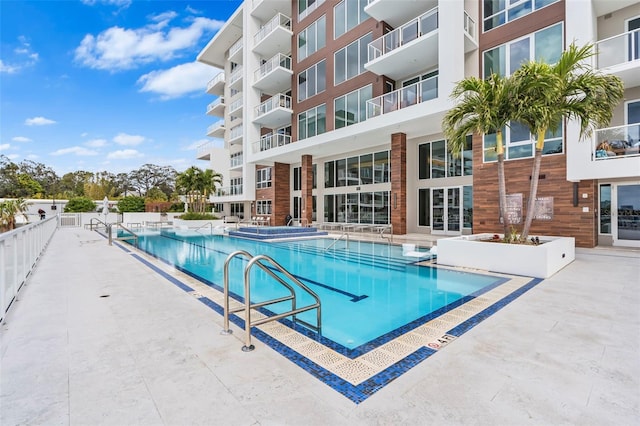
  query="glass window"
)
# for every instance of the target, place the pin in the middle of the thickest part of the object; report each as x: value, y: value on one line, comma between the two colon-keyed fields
x: 548, y: 44
x: 381, y: 167
x: 347, y: 15
x: 424, y: 161
x: 353, y: 172
x: 312, y: 38
x: 297, y: 178
x: 424, y: 207
x: 366, y: 169
x: 366, y: 207
x: 499, y: 12
x: 605, y: 209
x: 263, y: 178
x: 352, y: 107
x: 312, y: 122
x: 341, y: 172
x: 438, y: 159
x: 329, y: 174
x: 312, y: 81
x: 329, y: 208
x: 467, y: 207
x: 349, y: 61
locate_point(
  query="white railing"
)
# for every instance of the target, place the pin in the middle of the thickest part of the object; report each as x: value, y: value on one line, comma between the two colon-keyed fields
x: 271, y: 141
x: 235, y: 105
x: 229, y: 190
x: 212, y: 105
x: 310, y: 9
x: 204, y: 149
x: 236, y: 132
x: 236, y: 47
x: 236, y: 75
x: 279, y: 60
x: 412, y: 30
x: 215, y: 80
x: 20, y: 250
x: 616, y: 142
x: 469, y: 26
x: 276, y: 101
x: 236, y: 161
x: 618, y: 49
x: 280, y: 20
x: 413, y: 94
x: 215, y: 126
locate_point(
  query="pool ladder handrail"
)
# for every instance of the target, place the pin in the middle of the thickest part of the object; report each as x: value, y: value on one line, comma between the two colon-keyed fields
x: 345, y: 234
x: 133, y: 236
x: 204, y: 225
x: 247, y: 306
x: 91, y: 224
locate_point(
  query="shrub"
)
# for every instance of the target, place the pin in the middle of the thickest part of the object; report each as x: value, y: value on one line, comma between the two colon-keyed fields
x: 198, y: 216
x: 80, y: 205
x: 131, y: 204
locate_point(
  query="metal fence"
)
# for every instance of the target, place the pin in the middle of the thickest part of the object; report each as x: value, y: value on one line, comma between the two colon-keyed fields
x: 20, y: 249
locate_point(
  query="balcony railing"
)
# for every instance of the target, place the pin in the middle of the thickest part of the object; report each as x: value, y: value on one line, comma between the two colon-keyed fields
x: 412, y: 30
x: 236, y: 161
x: 469, y: 25
x: 277, y: 101
x: 229, y: 190
x: 212, y: 105
x: 204, y: 149
x: 271, y: 141
x: 617, y: 142
x: 279, y: 60
x: 279, y: 20
x: 618, y: 49
x: 236, y: 47
x: 236, y: 132
x: 416, y: 93
x: 217, y: 125
x: 310, y: 9
x: 236, y: 75
x: 215, y: 80
x: 235, y: 105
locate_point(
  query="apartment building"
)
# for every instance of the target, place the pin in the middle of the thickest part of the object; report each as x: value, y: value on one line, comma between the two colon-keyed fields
x: 331, y: 111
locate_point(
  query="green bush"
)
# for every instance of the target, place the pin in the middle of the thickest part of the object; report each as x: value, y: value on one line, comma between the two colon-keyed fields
x: 80, y: 205
x: 198, y: 216
x: 131, y: 204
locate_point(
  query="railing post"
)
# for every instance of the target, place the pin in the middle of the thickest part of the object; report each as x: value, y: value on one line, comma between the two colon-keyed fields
x: 110, y: 234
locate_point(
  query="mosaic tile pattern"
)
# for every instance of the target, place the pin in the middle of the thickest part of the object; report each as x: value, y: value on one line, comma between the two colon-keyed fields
x: 359, y: 373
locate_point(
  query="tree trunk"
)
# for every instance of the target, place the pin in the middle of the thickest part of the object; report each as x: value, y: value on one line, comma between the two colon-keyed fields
x: 533, y: 188
x: 502, y: 184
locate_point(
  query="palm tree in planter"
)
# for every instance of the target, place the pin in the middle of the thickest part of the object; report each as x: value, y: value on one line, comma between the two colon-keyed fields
x: 210, y: 181
x: 547, y: 94
x: 484, y: 107
x: 9, y: 209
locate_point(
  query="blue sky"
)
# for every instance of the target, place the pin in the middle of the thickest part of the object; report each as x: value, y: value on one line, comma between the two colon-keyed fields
x: 106, y: 84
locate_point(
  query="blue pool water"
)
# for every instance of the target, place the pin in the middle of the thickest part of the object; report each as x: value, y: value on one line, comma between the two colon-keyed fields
x: 367, y: 290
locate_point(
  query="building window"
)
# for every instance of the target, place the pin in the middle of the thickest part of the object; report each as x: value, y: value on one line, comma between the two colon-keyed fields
x: 312, y: 81
x: 499, y: 12
x: 237, y: 209
x: 424, y: 207
x: 297, y: 178
x: 312, y: 122
x: 263, y: 207
x: 436, y: 161
x: 347, y: 15
x: 349, y: 61
x: 357, y: 207
x: 358, y: 170
x: 544, y: 45
x: 352, y: 107
x: 305, y: 7
x: 312, y: 38
x: 263, y: 178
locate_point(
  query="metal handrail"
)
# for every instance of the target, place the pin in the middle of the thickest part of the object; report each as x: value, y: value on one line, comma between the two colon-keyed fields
x: 120, y: 225
x: 247, y: 306
x: 384, y: 228
x: 97, y: 220
x: 344, y: 234
x: 209, y: 224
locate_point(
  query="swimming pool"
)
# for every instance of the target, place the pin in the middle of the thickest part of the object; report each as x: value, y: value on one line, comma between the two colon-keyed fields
x: 367, y: 290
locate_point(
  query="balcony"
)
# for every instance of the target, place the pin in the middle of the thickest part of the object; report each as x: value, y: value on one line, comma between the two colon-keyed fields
x: 235, y: 79
x: 236, y: 107
x: 229, y: 190
x: 390, y: 12
x: 274, y: 76
x: 216, y: 130
x: 616, y: 142
x: 470, y: 33
x: 236, y: 161
x: 264, y: 9
x: 235, y: 52
x: 407, y: 49
x: 203, y: 151
x: 620, y: 55
x: 271, y: 141
x: 274, y: 112
x: 273, y: 37
x: 414, y: 94
x: 235, y: 135
x: 216, y: 85
x: 216, y: 107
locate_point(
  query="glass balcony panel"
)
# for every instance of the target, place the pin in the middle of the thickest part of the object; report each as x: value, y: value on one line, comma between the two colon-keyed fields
x: 616, y: 142
x: 618, y: 49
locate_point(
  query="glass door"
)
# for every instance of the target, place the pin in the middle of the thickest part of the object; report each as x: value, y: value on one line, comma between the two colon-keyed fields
x: 633, y: 25
x: 437, y: 209
x: 628, y: 215
x: 446, y: 210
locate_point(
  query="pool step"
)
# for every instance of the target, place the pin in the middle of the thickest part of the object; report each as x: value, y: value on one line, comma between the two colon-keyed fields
x: 273, y: 232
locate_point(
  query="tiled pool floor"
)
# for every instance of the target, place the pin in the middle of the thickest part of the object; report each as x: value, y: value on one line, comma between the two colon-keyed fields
x: 360, y: 376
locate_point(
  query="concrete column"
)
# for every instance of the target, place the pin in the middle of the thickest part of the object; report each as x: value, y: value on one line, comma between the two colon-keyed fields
x: 307, y: 188
x: 399, y: 183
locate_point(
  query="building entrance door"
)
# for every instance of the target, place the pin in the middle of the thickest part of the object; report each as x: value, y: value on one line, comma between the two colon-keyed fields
x: 626, y: 218
x: 446, y: 210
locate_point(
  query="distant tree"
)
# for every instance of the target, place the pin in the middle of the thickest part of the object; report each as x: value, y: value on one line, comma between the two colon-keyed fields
x: 156, y: 194
x: 152, y: 176
x: 197, y: 185
x: 102, y: 185
x: 28, y: 186
x: 80, y: 205
x: 131, y: 204
x: 123, y: 187
x: 45, y: 176
x: 72, y: 184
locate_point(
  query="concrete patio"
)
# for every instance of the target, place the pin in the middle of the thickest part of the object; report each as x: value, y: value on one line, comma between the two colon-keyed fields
x: 97, y: 337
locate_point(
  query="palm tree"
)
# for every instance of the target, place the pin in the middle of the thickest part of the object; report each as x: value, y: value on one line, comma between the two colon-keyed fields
x: 484, y: 107
x: 188, y: 182
x: 9, y: 209
x: 549, y: 94
x: 197, y: 185
x: 210, y: 181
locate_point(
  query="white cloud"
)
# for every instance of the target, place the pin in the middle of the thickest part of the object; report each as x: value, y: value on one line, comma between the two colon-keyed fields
x: 119, y: 48
x: 19, y: 61
x: 32, y: 157
x: 9, y: 69
x: 84, y: 134
x: 77, y: 150
x: 193, y: 11
x: 4, y: 146
x: 124, y: 154
x: 12, y: 156
x: 96, y: 143
x: 129, y: 140
x: 196, y: 144
x: 119, y: 3
x: 38, y: 121
x: 20, y: 139
x: 177, y: 81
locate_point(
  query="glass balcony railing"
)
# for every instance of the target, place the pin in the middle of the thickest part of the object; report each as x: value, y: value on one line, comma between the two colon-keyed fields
x: 215, y: 80
x: 618, y: 50
x: 229, y: 190
x: 236, y: 161
x: 407, y: 96
x: 236, y: 132
x: 311, y: 6
x: 235, y: 105
x: 412, y: 30
x: 279, y: 20
x: 469, y: 26
x: 271, y: 141
x: 235, y: 48
x: 616, y: 142
x: 277, y: 101
x: 217, y: 102
x: 279, y: 60
x: 215, y: 126
x: 236, y: 75
x: 204, y: 149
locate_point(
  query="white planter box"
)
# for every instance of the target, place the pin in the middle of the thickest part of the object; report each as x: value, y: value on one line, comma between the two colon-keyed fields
x: 541, y: 261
